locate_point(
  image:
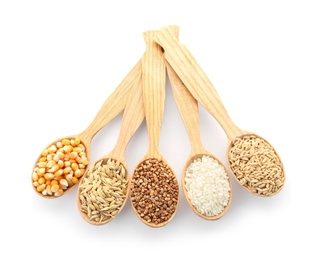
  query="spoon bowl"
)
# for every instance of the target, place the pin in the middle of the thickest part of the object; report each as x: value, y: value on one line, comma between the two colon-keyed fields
x: 52, y: 174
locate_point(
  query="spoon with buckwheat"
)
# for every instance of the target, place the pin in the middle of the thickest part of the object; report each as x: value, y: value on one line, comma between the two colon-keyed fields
x: 104, y: 188
x: 154, y: 187
x: 254, y: 162
x: 205, y: 181
x: 61, y: 164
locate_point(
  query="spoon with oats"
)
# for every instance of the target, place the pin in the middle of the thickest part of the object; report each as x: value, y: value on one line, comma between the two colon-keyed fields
x: 254, y: 162
x: 154, y: 186
x: 205, y: 181
x: 61, y: 164
x: 103, y: 190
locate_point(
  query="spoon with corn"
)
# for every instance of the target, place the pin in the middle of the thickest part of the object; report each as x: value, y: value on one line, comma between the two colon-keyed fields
x: 62, y: 163
x: 104, y: 188
x: 207, y: 204
x: 254, y: 162
x: 154, y: 186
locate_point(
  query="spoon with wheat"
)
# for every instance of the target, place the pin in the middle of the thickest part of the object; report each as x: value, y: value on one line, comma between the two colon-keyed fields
x: 104, y: 188
x: 254, y: 162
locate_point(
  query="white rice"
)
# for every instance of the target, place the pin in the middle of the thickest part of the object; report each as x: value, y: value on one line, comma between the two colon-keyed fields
x: 207, y: 185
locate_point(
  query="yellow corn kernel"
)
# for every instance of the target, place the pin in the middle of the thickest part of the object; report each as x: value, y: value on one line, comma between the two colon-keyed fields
x: 77, y: 150
x: 67, y: 164
x: 73, y: 155
x: 52, y: 149
x: 41, y: 171
x: 63, y: 183
x: 77, y: 141
x: 56, y: 158
x: 69, y: 177
x: 40, y: 188
x: 61, y: 150
x: 50, y: 157
x: 78, y: 159
x: 42, y: 164
x: 60, y: 155
x: 49, y: 176
x: 54, y: 188
x: 60, y: 164
x: 48, y: 188
x: 48, y: 182
x: 58, y: 173
x: 35, y: 176
x: 67, y: 170
x: 36, y: 184
x: 44, y: 192
x: 67, y: 148
x: 54, y: 168
x: 82, y: 154
x: 82, y: 147
x: 59, y: 145
x: 65, y: 141
x: 44, y: 153
x: 84, y: 160
x: 66, y: 157
x: 60, y: 192
x: 43, y: 159
x: 74, y: 166
x: 53, y: 182
x: 81, y: 166
x: 51, y: 164
x: 42, y: 180
x: 75, y: 180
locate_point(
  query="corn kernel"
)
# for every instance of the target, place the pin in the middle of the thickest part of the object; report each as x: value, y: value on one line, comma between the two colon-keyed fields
x: 43, y: 159
x: 54, y: 168
x: 52, y: 149
x: 67, y: 148
x: 42, y: 164
x: 74, y: 166
x: 50, y: 157
x: 75, y: 180
x: 36, y: 184
x: 82, y: 147
x: 59, y: 145
x: 60, y: 164
x: 58, y: 173
x: 56, y: 158
x: 82, y: 154
x: 67, y: 164
x: 48, y: 182
x: 35, y: 176
x: 77, y: 149
x: 44, y: 192
x: 51, y: 164
x: 55, y: 188
x: 60, y: 155
x: 49, y: 192
x: 69, y: 177
x: 84, y: 160
x: 40, y: 188
x: 42, y: 180
x: 63, y: 183
x: 65, y: 141
x: 66, y: 157
x: 60, y: 192
x: 41, y: 171
x: 78, y: 159
x: 44, y: 153
x: 67, y: 170
x: 82, y: 166
x: 49, y: 176
x: 73, y: 155
x: 53, y: 182
x: 77, y: 141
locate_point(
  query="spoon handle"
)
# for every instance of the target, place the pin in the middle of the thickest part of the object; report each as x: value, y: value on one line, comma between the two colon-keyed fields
x: 188, y: 109
x: 114, y: 104
x: 195, y: 79
x: 154, y: 83
x: 133, y: 116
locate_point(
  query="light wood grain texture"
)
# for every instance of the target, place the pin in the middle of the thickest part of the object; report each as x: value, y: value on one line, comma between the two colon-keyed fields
x: 188, y: 109
x: 132, y: 118
x: 112, y: 107
x: 154, y: 83
x: 199, y: 85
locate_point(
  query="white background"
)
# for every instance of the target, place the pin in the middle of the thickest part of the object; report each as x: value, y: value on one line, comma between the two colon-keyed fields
x: 269, y: 61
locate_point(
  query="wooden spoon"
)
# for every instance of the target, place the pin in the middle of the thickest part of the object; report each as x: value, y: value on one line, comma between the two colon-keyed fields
x: 258, y: 167
x: 154, y: 186
x: 132, y: 118
x: 188, y: 108
x: 112, y: 107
